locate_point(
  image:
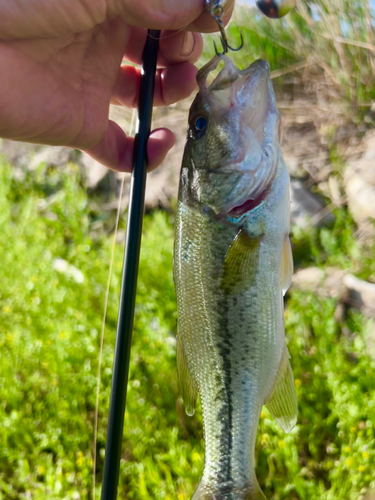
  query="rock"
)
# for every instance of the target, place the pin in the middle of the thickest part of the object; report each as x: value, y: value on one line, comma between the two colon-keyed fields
x: 359, y: 181
x: 350, y: 290
x: 305, y: 209
x: 294, y: 166
x: 56, y: 156
x: 93, y: 171
x: 361, y: 294
x: 17, y: 153
x: 302, y: 144
x: 334, y: 191
x: 308, y: 279
x: 332, y: 282
x: 327, y: 282
x: 30, y: 156
x: 63, y: 267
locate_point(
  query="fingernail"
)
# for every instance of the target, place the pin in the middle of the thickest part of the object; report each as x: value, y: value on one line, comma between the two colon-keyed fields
x: 188, y: 44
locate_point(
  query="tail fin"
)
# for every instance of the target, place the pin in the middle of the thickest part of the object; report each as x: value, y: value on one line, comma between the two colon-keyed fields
x: 226, y: 492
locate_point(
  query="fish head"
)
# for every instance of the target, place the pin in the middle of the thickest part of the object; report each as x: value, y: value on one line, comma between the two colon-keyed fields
x: 233, y: 136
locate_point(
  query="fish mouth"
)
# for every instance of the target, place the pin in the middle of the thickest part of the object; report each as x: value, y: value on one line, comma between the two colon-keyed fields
x: 229, y: 74
x: 248, y: 90
x: 241, y: 105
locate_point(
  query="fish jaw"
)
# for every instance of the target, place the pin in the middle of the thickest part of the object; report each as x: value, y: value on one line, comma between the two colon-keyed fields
x: 236, y: 158
x: 247, y: 92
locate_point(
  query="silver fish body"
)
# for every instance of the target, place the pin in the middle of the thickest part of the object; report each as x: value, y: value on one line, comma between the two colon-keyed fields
x: 232, y: 264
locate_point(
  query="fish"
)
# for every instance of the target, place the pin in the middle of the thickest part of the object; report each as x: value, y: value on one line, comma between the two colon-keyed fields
x: 232, y: 266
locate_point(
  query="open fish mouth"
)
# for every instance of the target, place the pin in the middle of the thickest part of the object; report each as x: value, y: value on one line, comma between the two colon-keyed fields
x: 233, y: 133
x: 247, y: 89
x: 229, y: 74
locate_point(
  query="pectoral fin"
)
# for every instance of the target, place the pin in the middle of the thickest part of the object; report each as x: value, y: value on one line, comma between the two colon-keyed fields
x: 286, y: 265
x: 188, y: 387
x: 240, y: 263
x: 282, y: 402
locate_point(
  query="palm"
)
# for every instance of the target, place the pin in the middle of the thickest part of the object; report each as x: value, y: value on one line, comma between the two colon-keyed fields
x: 61, y: 69
x: 58, y: 91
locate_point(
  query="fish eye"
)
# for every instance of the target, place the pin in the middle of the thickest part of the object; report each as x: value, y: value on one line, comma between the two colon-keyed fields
x: 200, y: 126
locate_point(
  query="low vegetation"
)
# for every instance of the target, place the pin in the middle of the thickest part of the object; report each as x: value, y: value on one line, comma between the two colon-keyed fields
x: 50, y: 321
x: 55, y: 251
x: 321, y: 38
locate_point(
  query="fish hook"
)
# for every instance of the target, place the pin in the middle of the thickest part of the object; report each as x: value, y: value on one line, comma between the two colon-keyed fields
x: 241, y: 43
x: 215, y: 8
x: 217, y: 52
x: 224, y: 41
x: 223, y: 36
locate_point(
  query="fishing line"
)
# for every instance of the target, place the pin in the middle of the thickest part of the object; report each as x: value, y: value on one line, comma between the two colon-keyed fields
x: 167, y: 36
x: 132, y: 122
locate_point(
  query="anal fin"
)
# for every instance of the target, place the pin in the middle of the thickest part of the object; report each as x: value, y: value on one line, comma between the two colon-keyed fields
x: 282, y: 401
x: 188, y: 387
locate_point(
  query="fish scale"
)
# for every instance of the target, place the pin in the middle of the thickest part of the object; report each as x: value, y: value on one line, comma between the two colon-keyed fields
x: 229, y: 276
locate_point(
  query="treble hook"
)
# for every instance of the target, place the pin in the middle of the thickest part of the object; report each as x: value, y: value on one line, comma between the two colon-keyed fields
x: 225, y: 44
x: 223, y: 36
x: 241, y: 43
x: 215, y: 8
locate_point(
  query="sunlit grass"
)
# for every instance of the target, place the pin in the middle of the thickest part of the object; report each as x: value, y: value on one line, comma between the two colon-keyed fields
x: 49, y: 338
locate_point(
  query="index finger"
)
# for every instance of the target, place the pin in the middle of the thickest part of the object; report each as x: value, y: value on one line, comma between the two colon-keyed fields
x: 206, y: 24
x: 168, y: 14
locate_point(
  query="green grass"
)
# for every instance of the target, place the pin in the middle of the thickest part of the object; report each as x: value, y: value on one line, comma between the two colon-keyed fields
x: 49, y: 338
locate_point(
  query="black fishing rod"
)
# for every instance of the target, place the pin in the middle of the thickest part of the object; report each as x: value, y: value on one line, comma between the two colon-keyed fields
x: 130, y: 270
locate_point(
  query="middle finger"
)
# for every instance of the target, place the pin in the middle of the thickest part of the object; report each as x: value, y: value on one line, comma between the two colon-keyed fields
x: 171, y: 85
x: 175, y: 47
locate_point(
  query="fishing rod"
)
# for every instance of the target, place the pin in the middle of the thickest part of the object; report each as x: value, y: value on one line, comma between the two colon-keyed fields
x: 130, y: 270
x: 271, y: 8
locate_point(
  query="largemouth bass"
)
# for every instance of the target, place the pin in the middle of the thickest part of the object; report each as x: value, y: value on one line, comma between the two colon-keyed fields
x: 232, y: 265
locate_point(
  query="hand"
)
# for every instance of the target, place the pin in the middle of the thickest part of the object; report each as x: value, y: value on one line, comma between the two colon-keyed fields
x: 61, y: 69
